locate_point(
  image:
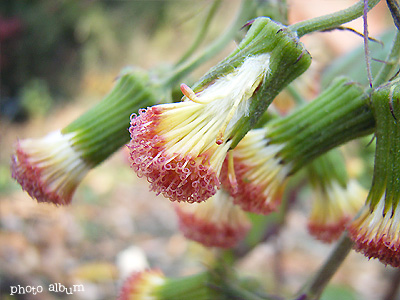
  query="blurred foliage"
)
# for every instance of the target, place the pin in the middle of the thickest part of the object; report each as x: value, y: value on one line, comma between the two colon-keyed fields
x: 47, y: 44
x: 36, y: 98
x: 353, y: 63
x: 335, y: 292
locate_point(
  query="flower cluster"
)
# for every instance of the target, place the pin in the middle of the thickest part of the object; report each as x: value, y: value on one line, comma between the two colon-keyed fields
x: 180, y: 147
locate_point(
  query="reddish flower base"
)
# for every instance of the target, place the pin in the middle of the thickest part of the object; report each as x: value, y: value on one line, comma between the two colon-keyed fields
x: 327, y: 232
x: 251, y: 197
x: 208, y: 233
x: 384, y: 249
x: 30, y: 177
x: 177, y: 176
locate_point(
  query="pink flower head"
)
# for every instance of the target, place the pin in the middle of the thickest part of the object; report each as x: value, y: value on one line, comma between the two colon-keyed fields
x: 333, y: 208
x: 260, y: 175
x: 48, y: 169
x: 214, y: 223
x: 180, y: 147
x: 142, y: 285
x: 376, y: 233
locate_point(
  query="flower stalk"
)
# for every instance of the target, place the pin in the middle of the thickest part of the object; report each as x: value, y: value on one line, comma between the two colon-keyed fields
x: 103, y: 129
x: 376, y: 231
x: 314, y: 288
x: 332, y: 20
x: 339, y: 114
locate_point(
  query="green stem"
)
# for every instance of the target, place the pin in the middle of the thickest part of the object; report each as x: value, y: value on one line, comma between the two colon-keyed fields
x: 339, y: 114
x: 104, y: 128
x: 195, y: 287
x: 201, y: 34
x: 313, y: 289
x: 387, y: 156
x: 391, y: 62
x: 245, y: 12
x: 332, y: 20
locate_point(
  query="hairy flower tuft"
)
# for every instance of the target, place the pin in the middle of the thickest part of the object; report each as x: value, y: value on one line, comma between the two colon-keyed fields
x: 333, y: 208
x: 260, y: 174
x: 376, y: 233
x: 180, y: 147
x: 214, y: 223
x: 49, y: 169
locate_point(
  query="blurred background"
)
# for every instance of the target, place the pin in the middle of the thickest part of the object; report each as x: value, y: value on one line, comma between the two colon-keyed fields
x: 57, y: 59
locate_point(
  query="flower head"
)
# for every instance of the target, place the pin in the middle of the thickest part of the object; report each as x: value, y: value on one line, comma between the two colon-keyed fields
x: 49, y: 169
x: 376, y: 230
x: 214, y: 223
x: 142, y: 286
x: 376, y: 233
x: 180, y: 147
x: 260, y: 175
x: 267, y: 156
x: 333, y: 208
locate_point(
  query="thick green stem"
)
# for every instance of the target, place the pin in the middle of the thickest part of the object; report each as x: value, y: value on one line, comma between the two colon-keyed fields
x: 386, y: 108
x: 202, y: 32
x: 313, y: 289
x: 104, y: 128
x: 339, y: 114
x: 195, y: 287
x: 246, y: 11
x: 332, y: 20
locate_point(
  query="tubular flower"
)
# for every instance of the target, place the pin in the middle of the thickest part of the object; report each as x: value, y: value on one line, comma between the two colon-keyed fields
x: 267, y: 156
x: 50, y: 169
x: 180, y: 147
x: 214, y: 223
x: 376, y: 230
x: 260, y: 175
x: 336, y: 198
x: 142, y: 286
x: 333, y: 208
